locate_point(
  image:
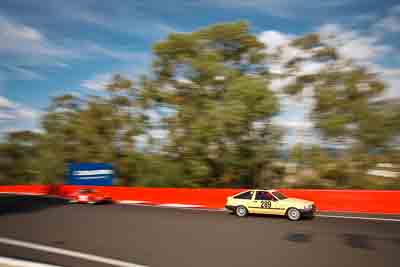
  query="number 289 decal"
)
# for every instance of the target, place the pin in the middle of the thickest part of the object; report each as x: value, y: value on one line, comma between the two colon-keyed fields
x: 266, y: 204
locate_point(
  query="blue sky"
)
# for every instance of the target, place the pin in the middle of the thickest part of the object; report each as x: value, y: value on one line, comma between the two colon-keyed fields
x: 51, y: 47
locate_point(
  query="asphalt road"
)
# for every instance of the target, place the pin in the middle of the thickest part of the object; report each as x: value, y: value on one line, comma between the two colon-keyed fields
x: 167, y: 237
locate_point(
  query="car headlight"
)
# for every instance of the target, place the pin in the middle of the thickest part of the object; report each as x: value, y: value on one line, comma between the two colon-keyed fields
x: 308, y: 207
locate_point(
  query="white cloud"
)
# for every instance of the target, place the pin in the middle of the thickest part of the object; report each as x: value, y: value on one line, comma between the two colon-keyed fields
x: 352, y: 44
x: 279, y: 43
x: 389, y: 24
x: 310, y: 67
x: 392, y: 77
x: 274, y: 39
x: 17, y: 110
x: 394, y: 86
x: 282, y: 8
x: 22, y: 73
x: 295, y: 119
x: 368, y: 50
x: 5, y: 103
x: 16, y: 116
x: 24, y: 45
x: 115, y: 54
x: 391, y: 72
x: 298, y: 129
x: 26, y: 113
x: 23, y: 40
x: 20, y: 32
x: 5, y: 116
x: 278, y: 84
x: 97, y: 83
x: 295, y: 124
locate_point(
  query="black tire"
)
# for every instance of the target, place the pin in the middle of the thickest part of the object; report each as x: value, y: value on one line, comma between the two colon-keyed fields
x: 293, y: 214
x: 241, y: 211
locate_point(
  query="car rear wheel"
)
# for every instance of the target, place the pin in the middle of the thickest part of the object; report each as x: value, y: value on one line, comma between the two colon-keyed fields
x: 241, y: 211
x: 293, y: 214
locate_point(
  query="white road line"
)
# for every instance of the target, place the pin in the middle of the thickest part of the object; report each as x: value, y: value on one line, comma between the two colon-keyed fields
x: 22, y: 263
x: 358, y: 218
x: 69, y: 253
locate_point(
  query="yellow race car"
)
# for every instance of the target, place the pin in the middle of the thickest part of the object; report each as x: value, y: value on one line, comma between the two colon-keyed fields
x: 269, y: 202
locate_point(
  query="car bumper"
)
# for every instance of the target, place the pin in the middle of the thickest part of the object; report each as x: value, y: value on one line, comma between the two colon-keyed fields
x: 104, y: 200
x: 308, y: 212
x: 230, y: 208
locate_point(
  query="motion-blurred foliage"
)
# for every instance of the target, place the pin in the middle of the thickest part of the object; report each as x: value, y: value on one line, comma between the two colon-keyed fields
x: 215, y: 84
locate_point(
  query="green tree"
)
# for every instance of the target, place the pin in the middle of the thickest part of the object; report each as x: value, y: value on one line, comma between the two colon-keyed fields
x: 212, y: 79
x: 345, y: 110
x: 19, y: 158
x: 298, y: 154
x: 95, y: 129
x: 344, y: 93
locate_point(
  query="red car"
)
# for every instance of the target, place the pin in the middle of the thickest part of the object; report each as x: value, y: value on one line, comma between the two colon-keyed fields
x: 90, y: 196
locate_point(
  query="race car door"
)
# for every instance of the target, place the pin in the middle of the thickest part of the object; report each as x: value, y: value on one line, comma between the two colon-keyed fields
x: 264, y: 203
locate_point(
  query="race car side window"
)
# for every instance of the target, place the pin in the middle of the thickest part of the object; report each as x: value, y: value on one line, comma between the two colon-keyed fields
x: 264, y: 195
x: 245, y: 195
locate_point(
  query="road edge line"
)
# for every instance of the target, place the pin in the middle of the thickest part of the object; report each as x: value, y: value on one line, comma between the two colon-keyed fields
x: 23, y: 263
x: 357, y: 218
x: 70, y: 253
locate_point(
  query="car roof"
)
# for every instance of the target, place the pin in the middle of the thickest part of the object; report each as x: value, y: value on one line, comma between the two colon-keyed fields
x: 268, y: 190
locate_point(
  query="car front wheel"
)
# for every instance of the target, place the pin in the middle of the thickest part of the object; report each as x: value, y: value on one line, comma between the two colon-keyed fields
x: 241, y: 211
x: 293, y: 214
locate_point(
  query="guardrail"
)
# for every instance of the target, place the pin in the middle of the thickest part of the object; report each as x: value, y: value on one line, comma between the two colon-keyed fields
x: 369, y: 201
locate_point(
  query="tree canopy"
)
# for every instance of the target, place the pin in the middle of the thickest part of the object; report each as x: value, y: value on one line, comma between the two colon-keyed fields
x: 212, y: 90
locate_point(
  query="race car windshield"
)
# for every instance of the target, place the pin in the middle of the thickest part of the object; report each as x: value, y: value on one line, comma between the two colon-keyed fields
x: 279, y: 195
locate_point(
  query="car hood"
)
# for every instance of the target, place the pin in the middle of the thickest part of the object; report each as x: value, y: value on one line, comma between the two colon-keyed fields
x: 297, y: 201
